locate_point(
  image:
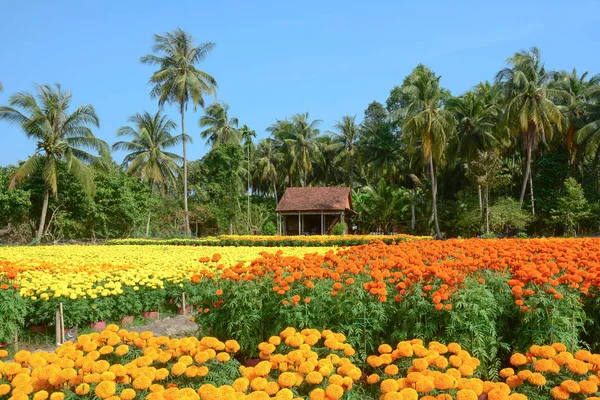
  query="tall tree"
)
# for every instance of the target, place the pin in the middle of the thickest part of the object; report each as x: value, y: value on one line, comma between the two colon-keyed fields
x: 298, y: 141
x: 246, y: 135
x: 428, y: 123
x: 574, y: 106
x: 588, y: 137
x: 178, y: 81
x: 147, y: 157
x: 346, y: 144
x: 60, y: 136
x: 530, y: 111
x: 219, y: 127
x: 266, y: 164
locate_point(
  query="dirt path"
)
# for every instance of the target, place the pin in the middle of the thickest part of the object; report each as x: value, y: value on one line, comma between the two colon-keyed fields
x: 176, y: 326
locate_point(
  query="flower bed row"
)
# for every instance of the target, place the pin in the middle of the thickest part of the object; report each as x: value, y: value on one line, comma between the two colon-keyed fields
x: 273, y: 241
x: 306, y: 364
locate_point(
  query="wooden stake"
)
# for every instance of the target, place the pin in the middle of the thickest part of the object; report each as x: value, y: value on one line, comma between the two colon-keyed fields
x: 62, y: 324
x: 16, y: 339
x: 183, y: 303
x: 57, y: 328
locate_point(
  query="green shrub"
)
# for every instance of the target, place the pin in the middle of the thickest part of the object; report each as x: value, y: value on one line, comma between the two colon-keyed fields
x: 339, y: 229
x: 269, y: 229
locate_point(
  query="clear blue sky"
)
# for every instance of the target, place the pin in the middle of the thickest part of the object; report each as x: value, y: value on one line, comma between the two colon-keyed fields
x: 274, y: 59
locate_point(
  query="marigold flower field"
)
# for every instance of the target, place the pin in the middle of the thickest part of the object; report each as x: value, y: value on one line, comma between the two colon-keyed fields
x: 495, y: 319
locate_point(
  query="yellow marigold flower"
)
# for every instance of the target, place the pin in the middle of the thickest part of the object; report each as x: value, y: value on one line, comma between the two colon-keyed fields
x: 384, y: 348
x: 409, y: 394
x: 388, y: 385
x: 334, y: 391
x: 142, y: 382
x: 517, y: 396
x: 374, y: 361
x: 105, y: 389
x: 570, y: 386
x: 466, y: 394
x: 286, y: 379
x: 587, y: 387
x: 41, y: 395
x: 559, y: 393
x: 391, y: 370
x: 506, y: 372
x: 314, y: 378
x: 546, y: 352
x: 537, y: 379
x: 128, y: 394
x: 259, y: 383
x: 317, y: 394
x: 425, y: 384
x: 513, y: 381
x: 371, y: 379
x: 202, y: 371
x: 223, y: 357
x: 444, y: 382
x: 518, y: 359
x: 82, y: 389
x: 241, y: 384
x: 577, y: 367
x: 178, y: 368
x: 271, y: 388
x: 57, y: 396
x: 284, y: 394
x: 420, y: 364
x: 497, y: 394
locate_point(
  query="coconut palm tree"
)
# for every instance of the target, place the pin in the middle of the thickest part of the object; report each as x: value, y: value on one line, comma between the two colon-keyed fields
x: 178, y: 81
x: 579, y: 91
x: 380, y: 149
x: 428, y: 123
x: 301, y: 149
x: 246, y: 134
x: 266, y: 164
x: 346, y: 144
x: 147, y: 157
x: 60, y: 136
x: 220, y: 128
x: 530, y: 111
x: 588, y: 137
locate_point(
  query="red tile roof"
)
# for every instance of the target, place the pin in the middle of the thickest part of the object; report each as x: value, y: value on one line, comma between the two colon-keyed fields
x: 315, y: 199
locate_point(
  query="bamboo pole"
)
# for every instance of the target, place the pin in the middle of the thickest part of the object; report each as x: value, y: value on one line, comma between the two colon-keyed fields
x: 62, y: 323
x: 57, y: 328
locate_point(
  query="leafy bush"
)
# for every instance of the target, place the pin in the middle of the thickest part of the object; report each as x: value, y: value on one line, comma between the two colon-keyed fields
x: 269, y: 229
x: 339, y: 229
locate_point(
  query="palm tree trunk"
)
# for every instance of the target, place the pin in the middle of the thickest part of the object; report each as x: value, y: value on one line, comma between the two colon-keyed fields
x: 248, y: 188
x: 531, y: 192
x: 487, y: 210
x: 412, y: 213
x: 438, y: 233
x: 527, y: 172
x: 185, y: 190
x: 148, y: 224
x: 44, y: 212
x: 480, y: 202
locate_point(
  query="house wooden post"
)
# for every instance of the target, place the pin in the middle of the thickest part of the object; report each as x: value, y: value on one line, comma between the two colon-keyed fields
x: 299, y: 224
x: 322, y: 224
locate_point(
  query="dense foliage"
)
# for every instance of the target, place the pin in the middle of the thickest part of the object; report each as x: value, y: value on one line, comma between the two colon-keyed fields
x: 424, y: 161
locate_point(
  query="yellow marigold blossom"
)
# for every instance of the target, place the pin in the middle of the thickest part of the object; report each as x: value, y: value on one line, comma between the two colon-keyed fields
x: 409, y: 394
x: 518, y: 359
x: 371, y: 379
x: 588, y: 387
x: 537, y: 379
x: 559, y: 393
x: 128, y: 394
x: 570, y: 386
x: 286, y: 380
x: 334, y: 391
x: 105, y: 389
x: 466, y: 394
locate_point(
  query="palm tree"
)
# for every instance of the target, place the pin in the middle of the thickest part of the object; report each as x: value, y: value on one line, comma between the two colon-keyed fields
x: 220, y: 128
x: 147, y: 157
x: 298, y: 138
x: 60, y: 136
x: 246, y: 134
x: 428, y: 123
x: 266, y: 164
x: 588, y: 137
x: 346, y: 139
x: 477, y: 124
x: 178, y: 81
x: 574, y: 105
x: 530, y: 111
x: 380, y: 149
x: 1, y: 87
